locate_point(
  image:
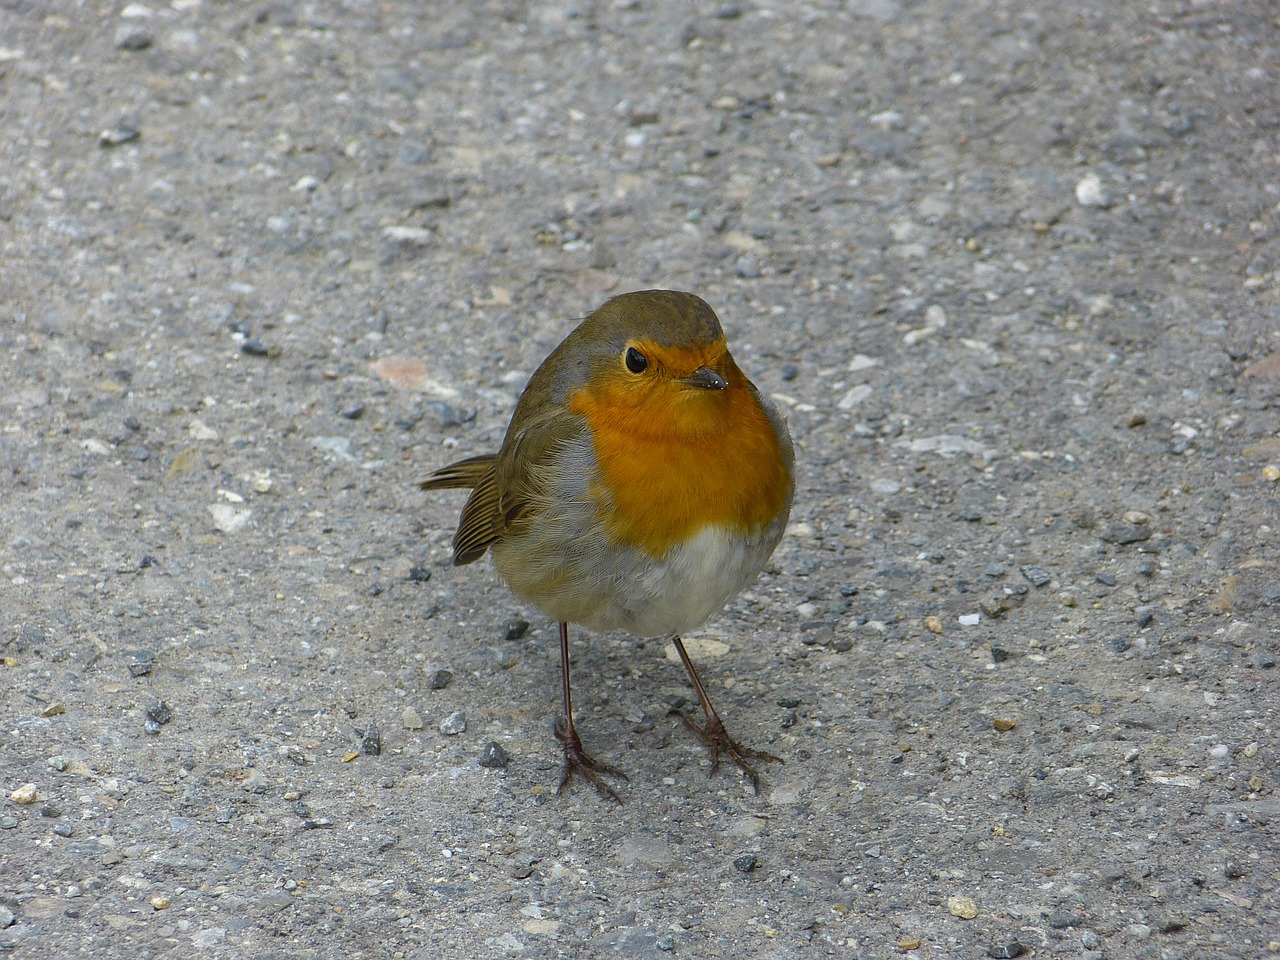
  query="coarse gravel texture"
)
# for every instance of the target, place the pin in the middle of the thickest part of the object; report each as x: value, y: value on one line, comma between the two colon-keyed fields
x: 1011, y: 268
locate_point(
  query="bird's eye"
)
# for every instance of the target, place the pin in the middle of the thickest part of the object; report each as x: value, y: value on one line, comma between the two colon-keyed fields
x: 636, y: 361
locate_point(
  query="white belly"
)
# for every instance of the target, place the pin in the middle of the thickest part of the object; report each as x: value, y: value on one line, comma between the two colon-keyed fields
x: 607, y: 588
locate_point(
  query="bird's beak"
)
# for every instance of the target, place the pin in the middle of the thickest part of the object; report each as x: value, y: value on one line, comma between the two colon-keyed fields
x: 706, y: 378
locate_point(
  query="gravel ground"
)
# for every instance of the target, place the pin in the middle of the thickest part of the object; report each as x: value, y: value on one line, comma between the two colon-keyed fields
x: 1010, y: 267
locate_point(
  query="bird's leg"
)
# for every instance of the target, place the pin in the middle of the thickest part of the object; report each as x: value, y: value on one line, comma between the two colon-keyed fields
x: 575, y: 758
x: 714, y: 734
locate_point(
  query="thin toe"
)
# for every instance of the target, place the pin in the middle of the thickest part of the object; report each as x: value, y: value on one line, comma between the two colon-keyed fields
x: 578, y: 761
x: 717, y: 739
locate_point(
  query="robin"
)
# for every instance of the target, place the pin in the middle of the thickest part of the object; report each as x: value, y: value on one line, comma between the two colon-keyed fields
x: 642, y: 483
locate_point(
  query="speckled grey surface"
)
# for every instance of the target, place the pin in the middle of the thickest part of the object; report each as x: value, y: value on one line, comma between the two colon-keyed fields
x: 1011, y: 270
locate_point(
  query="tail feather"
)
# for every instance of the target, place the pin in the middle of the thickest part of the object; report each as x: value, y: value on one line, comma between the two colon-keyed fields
x: 482, y: 522
x: 463, y: 475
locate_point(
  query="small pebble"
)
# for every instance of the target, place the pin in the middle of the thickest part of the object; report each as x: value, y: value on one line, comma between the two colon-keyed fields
x: 419, y: 574
x: 370, y: 741
x: 1090, y: 940
x: 133, y: 36
x: 1122, y: 533
x: 1219, y: 751
x: 933, y: 624
x: 1233, y: 870
x: 789, y: 372
x: 454, y: 724
x: 1139, y: 931
x: 747, y: 267
x: 1036, y: 576
x: 63, y: 829
x: 25, y: 794
x: 994, y: 606
x: 1006, y: 949
x: 993, y: 570
x: 1091, y: 193
x: 117, y: 136
x: 516, y: 628
x: 58, y: 762
x: 161, y: 902
x: 159, y: 713
x: 441, y: 679
x: 963, y: 907
x: 53, y: 710
x: 412, y: 719
x: 1003, y: 724
x: 8, y: 823
x: 1061, y: 919
x: 141, y: 454
x: 493, y: 756
x: 970, y: 619
x: 353, y: 411
x: 255, y: 347
x: 6, y: 917
x: 747, y: 862
x: 1106, y: 579
x: 666, y: 944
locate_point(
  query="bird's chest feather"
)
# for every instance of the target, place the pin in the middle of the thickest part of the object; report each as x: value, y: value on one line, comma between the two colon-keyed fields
x: 666, y: 473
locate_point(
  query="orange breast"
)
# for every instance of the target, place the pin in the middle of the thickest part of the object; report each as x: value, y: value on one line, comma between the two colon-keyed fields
x: 675, y: 459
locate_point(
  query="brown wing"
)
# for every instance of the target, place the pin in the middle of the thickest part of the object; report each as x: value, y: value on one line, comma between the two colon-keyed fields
x: 504, y: 486
x: 482, y: 520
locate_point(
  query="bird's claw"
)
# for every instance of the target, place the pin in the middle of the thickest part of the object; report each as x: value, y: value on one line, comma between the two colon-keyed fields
x: 717, y: 738
x: 576, y: 760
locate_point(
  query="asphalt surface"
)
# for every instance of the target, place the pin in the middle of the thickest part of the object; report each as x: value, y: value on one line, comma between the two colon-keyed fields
x: 1010, y: 269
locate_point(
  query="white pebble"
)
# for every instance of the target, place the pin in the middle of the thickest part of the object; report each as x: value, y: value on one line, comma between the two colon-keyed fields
x: 227, y: 518
x: 970, y: 619
x: 1220, y: 751
x: 854, y: 397
x: 1091, y: 193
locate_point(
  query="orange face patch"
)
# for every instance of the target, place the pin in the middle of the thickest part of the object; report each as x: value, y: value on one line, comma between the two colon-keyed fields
x: 675, y: 458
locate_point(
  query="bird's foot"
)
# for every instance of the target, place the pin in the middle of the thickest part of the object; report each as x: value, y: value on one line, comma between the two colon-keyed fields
x: 717, y: 738
x: 576, y: 761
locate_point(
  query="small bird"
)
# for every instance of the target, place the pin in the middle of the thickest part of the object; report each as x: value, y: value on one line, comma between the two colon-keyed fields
x: 642, y: 483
